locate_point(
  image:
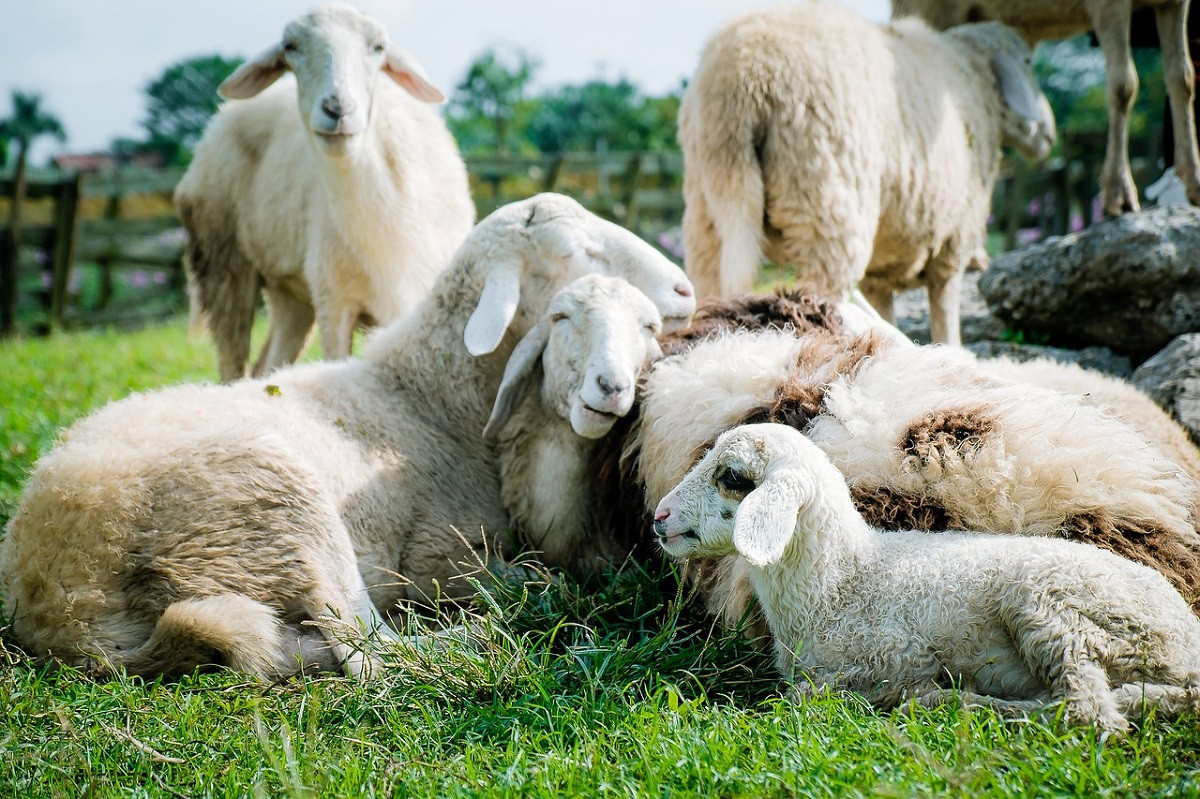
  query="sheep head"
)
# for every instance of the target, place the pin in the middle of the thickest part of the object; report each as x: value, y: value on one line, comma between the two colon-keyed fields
x: 532, y: 248
x: 590, y: 348
x: 743, y: 496
x: 336, y: 53
x: 1028, y: 121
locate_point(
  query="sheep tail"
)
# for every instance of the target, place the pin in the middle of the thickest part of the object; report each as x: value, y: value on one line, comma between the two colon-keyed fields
x: 231, y: 630
x: 731, y: 177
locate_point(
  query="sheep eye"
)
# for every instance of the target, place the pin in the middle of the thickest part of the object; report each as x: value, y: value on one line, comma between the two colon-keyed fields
x: 735, y: 482
x: 290, y: 47
x: 557, y: 317
x: 653, y: 328
x: 378, y: 48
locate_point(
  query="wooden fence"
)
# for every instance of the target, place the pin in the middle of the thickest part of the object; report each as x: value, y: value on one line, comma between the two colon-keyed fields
x: 110, y: 226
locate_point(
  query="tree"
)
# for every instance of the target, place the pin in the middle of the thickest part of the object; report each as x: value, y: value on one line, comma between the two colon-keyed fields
x: 601, y: 115
x: 181, y: 101
x: 27, y: 123
x: 490, y: 99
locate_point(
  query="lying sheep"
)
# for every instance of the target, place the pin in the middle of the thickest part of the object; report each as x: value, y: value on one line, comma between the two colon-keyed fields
x: 567, y: 383
x: 1110, y: 19
x: 346, y: 211
x: 930, y: 438
x: 207, y: 524
x: 855, y: 152
x: 1010, y: 621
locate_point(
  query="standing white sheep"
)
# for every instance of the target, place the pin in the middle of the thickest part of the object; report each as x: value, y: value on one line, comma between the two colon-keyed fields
x: 1056, y: 19
x: 1012, y: 622
x: 568, y: 381
x: 853, y: 151
x: 346, y: 211
x: 203, y: 524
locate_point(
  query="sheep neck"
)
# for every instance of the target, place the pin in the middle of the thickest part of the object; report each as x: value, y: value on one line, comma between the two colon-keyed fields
x: 546, y: 485
x: 831, y: 545
x: 424, y: 353
x: 363, y: 193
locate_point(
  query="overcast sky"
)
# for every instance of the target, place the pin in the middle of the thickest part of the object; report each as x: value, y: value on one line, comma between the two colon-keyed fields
x: 91, y: 59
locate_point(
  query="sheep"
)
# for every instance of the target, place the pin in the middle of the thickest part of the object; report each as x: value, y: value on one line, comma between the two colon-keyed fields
x: 860, y: 154
x: 206, y: 524
x: 346, y: 211
x: 1110, y: 19
x: 927, y: 437
x: 588, y: 349
x: 1011, y: 622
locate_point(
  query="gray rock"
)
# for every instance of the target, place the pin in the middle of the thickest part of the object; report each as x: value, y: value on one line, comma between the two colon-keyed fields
x: 1098, y: 359
x: 1131, y: 283
x: 1172, y: 379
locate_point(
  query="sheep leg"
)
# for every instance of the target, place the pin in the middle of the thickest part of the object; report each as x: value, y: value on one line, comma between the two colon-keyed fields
x: 1135, y: 699
x: 1170, y: 19
x: 879, y: 295
x: 701, y: 245
x: 1118, y: 194
x: 1007, y: 708
x: 337, y: 331
x: 943, y: 292
x: 291, y: 320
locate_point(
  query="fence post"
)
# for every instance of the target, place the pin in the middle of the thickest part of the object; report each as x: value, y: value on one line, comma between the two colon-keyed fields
x: 66, y: 216
x: 10, y: 253
x: 112, y: 212
x: 632, y: 177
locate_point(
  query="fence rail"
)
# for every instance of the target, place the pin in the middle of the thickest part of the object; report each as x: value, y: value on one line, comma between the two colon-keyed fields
x: 122, y: 223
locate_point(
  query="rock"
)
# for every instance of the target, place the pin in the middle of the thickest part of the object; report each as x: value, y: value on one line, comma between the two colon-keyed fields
x: 1172, y: 379
x: 977, y: 323
x: 1098, y: 359
x: 1130, y: 283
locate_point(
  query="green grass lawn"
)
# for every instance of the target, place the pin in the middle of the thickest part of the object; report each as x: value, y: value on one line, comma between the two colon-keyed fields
x: 614, y: 689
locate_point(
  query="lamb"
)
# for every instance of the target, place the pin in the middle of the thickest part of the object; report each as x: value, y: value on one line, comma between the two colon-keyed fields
x: 861, y: 154
x: 1012, y: 622
x: 346, y: 211
x: 207, y: 524
x: 1110, y: 20
x: 588, y: 349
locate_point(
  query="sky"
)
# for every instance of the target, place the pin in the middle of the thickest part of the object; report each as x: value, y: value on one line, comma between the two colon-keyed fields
x: 91, y: 59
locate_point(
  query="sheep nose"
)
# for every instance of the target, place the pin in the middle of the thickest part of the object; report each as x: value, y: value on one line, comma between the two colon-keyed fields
x: 683, y: 290
x: 662, y: 515
x: 608, y: 388
x: 660, y: 529
x: 336, y: 107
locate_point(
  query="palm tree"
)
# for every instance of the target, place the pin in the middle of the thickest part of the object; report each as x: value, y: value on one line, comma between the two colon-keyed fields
x: 27, y: 123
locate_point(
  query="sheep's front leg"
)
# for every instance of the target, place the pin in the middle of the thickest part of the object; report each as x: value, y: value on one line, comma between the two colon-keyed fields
x: 1118, y: 194
x: 1180, y: 81
x: 290, y: 321
x: 944, y: 290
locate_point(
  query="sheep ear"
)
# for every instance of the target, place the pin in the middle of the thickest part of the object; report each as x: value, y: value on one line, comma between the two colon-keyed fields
x: 1013, y: 81
x: 520, y: 376
x: 495, y: 311
x: 255, y: 75
x: 766, y: 520
x: 401, y: 67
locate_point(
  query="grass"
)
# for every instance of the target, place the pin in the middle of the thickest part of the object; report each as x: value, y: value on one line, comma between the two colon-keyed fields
x: 618, y: 688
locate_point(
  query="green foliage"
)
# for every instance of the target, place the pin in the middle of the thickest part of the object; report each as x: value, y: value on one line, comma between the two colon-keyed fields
x: 180, y: 102
x: 618, y: 687
x: 491, y: 110
x: 603, y: 116
x: 28, y: 122
x: 488, y: 108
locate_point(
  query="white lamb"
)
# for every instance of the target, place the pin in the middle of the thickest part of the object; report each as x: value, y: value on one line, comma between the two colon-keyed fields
x: 567, y: 383
x: 1012, y: 622
x: 351, y: 207
x: 860, y: 154
x: 1056, y: 19
x: 206, y: 524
